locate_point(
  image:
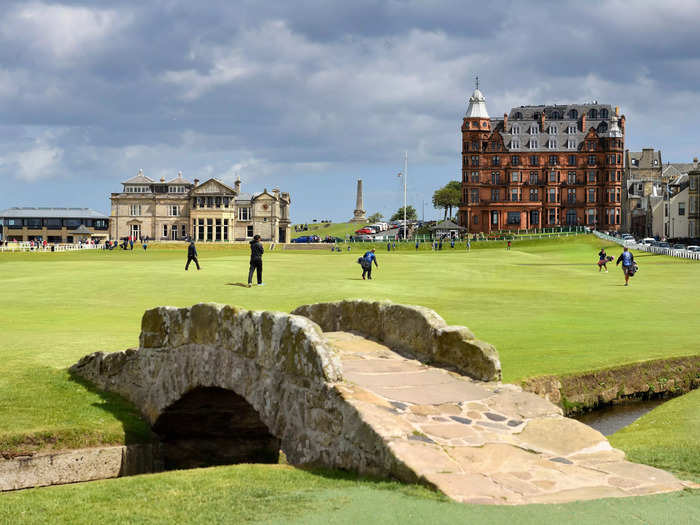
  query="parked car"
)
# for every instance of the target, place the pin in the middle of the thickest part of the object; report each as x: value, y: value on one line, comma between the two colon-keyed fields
x: 627, y: 237
x: 365, y: 230
x: 307, y: 238
x: 693, y: 248
x: 679, y: 246
x: 649, y: 241
x: 663, y: 245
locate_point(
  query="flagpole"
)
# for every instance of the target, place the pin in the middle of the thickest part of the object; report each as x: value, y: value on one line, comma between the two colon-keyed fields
x: 405, y: 176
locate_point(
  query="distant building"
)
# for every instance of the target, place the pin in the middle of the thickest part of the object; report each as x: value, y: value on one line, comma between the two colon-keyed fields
x: 211, y: 211
x: 643, y: 180
x: 694, y: 200
x: 541, y: 166
x: 55, y: 225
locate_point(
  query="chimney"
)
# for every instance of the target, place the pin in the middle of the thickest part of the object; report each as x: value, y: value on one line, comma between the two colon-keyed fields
x: 505, y: 122
x: 542, y: 118
x: 583, y: 122
x: 617, y: 111
x: 622, y: 124
x: 162, y: 179
x: 276, y: 193
x: 237, y: 185
x: 196, y: 181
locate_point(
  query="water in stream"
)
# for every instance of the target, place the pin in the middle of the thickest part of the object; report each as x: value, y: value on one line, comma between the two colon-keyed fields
x: 609, y: 420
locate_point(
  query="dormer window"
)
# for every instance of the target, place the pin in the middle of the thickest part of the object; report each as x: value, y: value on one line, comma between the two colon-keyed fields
x: 534, y: 144
x: 515, y: 130
x: 603, y: 113
x: 556, y: 115
x: 518, y: 115
x: 552, y: 144
x: 552, y: 130
x: 573, y: 114
x: 515, y: 144
x: 534, y: 129
x: 593, y: 113
x: 571, y: 130
x: 570, y: 144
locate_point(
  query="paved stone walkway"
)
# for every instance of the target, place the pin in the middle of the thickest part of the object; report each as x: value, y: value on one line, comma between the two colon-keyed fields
x: 484, y: 442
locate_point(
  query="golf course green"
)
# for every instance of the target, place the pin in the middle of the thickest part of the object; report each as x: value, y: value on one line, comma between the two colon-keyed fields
x: 543, y: 305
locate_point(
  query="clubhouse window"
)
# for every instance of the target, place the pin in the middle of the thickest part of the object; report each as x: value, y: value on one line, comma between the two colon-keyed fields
x: 249, y: 231
x: 183, y: 231
x: 173, y: 211
x: 513, y: 217
x: 494, y: 218
x: 475, y: 219
x: 53, y: 224
x: 243, y: 214
x: 135, y: 210
x: 165, y: 231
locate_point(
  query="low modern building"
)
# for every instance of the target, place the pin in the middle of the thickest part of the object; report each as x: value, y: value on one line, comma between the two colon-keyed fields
x: 211, y: 211
x: 55, y: 225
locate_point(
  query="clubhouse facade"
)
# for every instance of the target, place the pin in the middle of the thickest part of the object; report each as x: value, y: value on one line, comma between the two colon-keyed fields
x: 53, y: 225
x: 207, y: 212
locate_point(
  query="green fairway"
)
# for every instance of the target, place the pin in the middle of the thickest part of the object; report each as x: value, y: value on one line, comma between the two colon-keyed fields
x: 282, y: 495
x: 543, y: 305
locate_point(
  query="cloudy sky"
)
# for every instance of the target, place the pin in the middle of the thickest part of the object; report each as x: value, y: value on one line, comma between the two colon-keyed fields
x: 310, y: 96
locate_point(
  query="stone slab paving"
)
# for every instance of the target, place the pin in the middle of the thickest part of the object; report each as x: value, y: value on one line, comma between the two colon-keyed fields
x: 484, y: 442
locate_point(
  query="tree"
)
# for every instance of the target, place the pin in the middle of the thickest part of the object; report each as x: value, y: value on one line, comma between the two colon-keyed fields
x: 448, y: 197
x: 411, y: 214
x: 375, y: 217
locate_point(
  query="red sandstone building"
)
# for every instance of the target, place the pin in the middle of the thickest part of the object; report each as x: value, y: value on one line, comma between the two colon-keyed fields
x: 541, y: 167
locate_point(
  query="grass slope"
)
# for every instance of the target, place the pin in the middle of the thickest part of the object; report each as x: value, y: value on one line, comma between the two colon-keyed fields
x: 543, y: 305
x: 666, y: 437
x: 335, y: 229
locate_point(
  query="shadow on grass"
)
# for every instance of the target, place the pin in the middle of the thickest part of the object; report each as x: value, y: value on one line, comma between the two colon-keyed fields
x: 240, y: 285
x: 136, y: 429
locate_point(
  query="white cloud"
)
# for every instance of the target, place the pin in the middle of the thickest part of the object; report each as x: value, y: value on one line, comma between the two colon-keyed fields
x: 40, y: 161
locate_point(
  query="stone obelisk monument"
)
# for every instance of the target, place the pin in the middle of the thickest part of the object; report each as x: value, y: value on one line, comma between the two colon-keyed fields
x: 359, y: 214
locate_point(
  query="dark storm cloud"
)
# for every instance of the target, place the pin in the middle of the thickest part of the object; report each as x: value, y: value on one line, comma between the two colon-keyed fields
x: 97, y: 89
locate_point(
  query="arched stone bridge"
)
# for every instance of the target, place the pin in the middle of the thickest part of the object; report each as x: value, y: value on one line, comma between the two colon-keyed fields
x: 373, y: 387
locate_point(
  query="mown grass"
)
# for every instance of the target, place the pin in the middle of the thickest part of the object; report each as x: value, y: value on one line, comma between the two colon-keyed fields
x: 283, y: 495
x: 543, y: 305
x: 668, y: 437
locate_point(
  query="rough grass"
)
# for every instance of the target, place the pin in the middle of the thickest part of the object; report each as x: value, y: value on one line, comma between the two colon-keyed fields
x: 667, y: 437
x: 543, y: 305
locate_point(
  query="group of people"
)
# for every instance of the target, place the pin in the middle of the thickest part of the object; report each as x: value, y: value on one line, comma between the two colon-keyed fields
x: 629, y: 267
x: 256, y: 264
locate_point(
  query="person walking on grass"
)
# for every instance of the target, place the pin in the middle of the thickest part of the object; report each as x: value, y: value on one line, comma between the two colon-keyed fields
x: 256, y: 253
x: 145, y: 246
x: 191, y: 255
x: 469, y: 245
x: 366, y: 262
x: 602, y: 260
x: 508, y: 246
x: 627, y: 260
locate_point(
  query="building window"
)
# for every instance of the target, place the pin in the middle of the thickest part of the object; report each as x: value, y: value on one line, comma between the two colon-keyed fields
x: 474, y: 196
x: 591, y: 177
x: 681, y: 208
x: 514, y: 217
x: 243, y: 214
x: 494, y: 218
x: 618, y: 194
x: 593, y: 113
x: 591, y: 160
x: 533, y: 195
x: 534, y: 144
x: 553, y: 215
x: 514, y: 195
x: 515, y: 176
x: 571, y: 196
x: 515, y: 129
x: 573, y: 114
x: 553, y: 130
x: 692, y: 209
x: 591, y: 195
x: 552, y: 144
x: 249, y: 231
x: 495, y: 177
x: 495, y: 161
x: 571, y: 177
x: 135, y: 210
x: 554, y: 176
x: 603, y: 113
x: 475, y: 176
x: 552, y: 195
x: 693, y: 183
x: 553, y: 160
x: 534, y: 160
x: 533, y: 177
x: 173, y: 211
x: 571, y: 130
x: 591, y: 217
x: 165, y: 231
x: 135, y: 231
x: 571, y: 160
x: 515, y: 160
x: 570, y: 217
x: 475, y: 219
x: 571, y: 144
x: 495, y: 197
x: 183, y: 231
x: 475, y: 161
x: 534, y: 129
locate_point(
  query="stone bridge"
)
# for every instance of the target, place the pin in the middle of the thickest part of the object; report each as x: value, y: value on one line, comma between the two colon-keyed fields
x: 373, y: 387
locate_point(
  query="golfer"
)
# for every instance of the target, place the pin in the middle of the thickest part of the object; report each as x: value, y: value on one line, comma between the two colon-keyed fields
x: 602, y: 260
x: 191, y: 256
x: 627, y: 260
x: 256, y: 253
x: 367, y: 260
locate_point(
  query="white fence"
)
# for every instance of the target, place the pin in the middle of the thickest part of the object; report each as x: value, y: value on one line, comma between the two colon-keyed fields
x: 683, y: 254
x: 13, y: 247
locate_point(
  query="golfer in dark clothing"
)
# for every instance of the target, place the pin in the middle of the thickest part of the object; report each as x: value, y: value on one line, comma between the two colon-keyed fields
x: 627, y: 260
x: 367, y: 260
x: 256, y: 253
x: 191, y: 255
